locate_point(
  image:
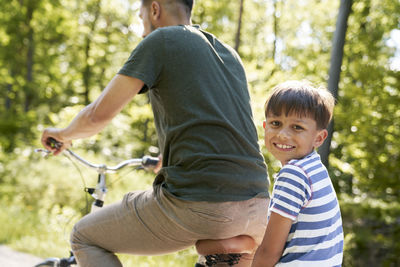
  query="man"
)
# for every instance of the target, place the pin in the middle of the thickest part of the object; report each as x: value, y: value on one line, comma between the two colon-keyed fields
x: 213, y: 182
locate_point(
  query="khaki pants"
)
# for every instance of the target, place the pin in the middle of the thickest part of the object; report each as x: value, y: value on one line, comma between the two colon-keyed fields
x: 154, y: 222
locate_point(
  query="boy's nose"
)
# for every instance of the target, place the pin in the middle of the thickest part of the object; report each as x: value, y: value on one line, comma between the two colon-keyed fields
x: 283, y: 133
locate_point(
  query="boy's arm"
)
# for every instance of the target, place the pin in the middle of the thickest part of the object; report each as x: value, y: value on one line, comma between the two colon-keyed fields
x: 271, y: 248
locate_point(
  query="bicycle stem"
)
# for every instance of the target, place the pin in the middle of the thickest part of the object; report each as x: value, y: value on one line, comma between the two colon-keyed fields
x: 99, y: 193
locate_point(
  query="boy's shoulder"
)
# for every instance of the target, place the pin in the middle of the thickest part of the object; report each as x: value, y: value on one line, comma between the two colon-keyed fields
x: 311, y: 160
x: 305, y: 166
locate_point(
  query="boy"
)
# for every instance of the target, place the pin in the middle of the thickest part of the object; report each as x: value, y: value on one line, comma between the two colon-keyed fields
x: 304, y: 222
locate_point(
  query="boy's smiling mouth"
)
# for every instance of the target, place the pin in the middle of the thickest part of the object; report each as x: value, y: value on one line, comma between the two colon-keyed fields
x: 283, y: 146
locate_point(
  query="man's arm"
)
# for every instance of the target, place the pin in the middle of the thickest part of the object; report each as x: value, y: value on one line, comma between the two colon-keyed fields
x: 271, y: 248
x: 94, y: 117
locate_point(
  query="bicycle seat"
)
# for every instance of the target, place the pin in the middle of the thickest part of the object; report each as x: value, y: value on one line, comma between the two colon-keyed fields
x: 235, y: 245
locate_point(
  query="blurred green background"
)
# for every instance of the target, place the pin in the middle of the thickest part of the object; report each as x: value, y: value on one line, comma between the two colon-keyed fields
x: 56, y: 56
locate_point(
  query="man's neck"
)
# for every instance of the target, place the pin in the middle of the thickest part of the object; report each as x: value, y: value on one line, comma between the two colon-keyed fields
x: 175, y: 14
x: 176, y: 20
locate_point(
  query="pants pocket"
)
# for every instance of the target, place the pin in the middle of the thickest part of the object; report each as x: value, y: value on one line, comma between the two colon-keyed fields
x: 211, y: 216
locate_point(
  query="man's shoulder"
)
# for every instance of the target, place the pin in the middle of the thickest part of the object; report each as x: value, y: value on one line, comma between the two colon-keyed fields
x: 186, y: 32
x: 176, y: 36
x: 176, y: 29
x: 163, y: 36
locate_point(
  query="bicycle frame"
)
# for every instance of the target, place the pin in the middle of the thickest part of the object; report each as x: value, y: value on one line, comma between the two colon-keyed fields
x: 98, y: 193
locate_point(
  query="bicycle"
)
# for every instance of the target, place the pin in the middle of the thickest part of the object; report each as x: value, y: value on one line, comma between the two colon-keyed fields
x: 98, y: 192
x: 212, y: 252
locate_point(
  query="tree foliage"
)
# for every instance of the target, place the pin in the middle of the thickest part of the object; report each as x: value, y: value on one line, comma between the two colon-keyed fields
x: 367, y: 115
x: 57, y: 56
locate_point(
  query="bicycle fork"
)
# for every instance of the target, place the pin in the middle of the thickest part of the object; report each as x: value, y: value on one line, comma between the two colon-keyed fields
x: 98, y: 193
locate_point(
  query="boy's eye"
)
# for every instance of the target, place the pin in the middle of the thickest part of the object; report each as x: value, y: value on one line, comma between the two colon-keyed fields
x: 298, y: 127
x: 275, y: 123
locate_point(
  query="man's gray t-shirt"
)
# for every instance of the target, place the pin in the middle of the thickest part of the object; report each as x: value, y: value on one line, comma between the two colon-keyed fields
x: 201, y: 104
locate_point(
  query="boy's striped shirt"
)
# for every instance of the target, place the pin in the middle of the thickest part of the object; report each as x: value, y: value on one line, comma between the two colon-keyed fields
x: 303, y: 192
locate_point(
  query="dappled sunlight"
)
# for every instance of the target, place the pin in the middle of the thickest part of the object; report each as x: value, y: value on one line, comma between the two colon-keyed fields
x: 57, y: 56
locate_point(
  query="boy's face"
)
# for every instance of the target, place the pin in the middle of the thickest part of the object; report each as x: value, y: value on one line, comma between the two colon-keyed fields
x: 292, y: 137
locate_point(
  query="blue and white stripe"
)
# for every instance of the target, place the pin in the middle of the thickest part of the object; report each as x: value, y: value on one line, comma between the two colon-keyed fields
x: 303, y: 192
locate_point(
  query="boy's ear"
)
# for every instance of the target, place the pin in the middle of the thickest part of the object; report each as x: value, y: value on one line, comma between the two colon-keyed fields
x: 320, y: 138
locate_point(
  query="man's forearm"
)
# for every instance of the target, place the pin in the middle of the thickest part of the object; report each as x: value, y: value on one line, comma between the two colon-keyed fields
x: 85, y: 124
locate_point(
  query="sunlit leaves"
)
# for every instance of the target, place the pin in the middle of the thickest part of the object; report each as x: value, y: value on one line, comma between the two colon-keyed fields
x: 78, y: 46
x: 369, y: 100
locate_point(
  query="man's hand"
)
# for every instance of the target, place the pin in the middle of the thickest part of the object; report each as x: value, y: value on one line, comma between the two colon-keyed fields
x: 53, y: 141
x: 158, y: 167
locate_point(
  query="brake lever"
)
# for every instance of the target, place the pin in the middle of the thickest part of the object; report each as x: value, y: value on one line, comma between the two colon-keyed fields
x: 45, y: 153
x: 53, y: 143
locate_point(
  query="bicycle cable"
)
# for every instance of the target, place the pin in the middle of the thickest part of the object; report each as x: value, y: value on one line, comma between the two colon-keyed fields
x: 123, y: 175
x: 86, y: 209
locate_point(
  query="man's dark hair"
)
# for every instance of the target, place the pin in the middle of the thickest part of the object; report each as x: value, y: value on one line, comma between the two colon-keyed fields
x: 187, y: 3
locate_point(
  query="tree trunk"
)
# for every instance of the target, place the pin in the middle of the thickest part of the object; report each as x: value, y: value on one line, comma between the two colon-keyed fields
x: 275, y: 24
x: 87, y: 72
x: 239, y: 28
x: 8, y: 99
x: 9, y: 88
x: 335, y: 68
x: 275, y: 31
x: 29, y: 56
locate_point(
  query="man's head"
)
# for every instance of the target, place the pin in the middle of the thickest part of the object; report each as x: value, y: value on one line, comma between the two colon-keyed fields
x: 187, y: 3
x: 162, y: 13
x: 297, y: 115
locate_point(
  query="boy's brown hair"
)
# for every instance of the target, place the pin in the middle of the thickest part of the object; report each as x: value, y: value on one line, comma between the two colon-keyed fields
x: 302, y: 98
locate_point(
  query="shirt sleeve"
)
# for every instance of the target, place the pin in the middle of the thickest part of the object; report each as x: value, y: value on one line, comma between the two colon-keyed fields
x: 292, y: 191
x: 145, y: 62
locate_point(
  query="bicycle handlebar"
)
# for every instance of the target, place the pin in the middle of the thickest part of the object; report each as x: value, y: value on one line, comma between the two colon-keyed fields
x: 145, y: 161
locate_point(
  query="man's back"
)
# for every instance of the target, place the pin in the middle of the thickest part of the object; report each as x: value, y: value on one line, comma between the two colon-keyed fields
x: 201, y: 105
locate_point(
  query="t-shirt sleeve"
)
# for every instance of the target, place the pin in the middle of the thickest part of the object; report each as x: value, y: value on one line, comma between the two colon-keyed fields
x: 145, y: 62
x: 292, y: 191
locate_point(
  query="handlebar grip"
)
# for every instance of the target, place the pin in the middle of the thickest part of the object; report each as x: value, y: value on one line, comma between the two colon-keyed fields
x: 54, y: 143
x: 150, y: 161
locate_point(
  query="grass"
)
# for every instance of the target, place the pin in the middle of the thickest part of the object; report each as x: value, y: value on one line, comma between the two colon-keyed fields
x: 42, y: 199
